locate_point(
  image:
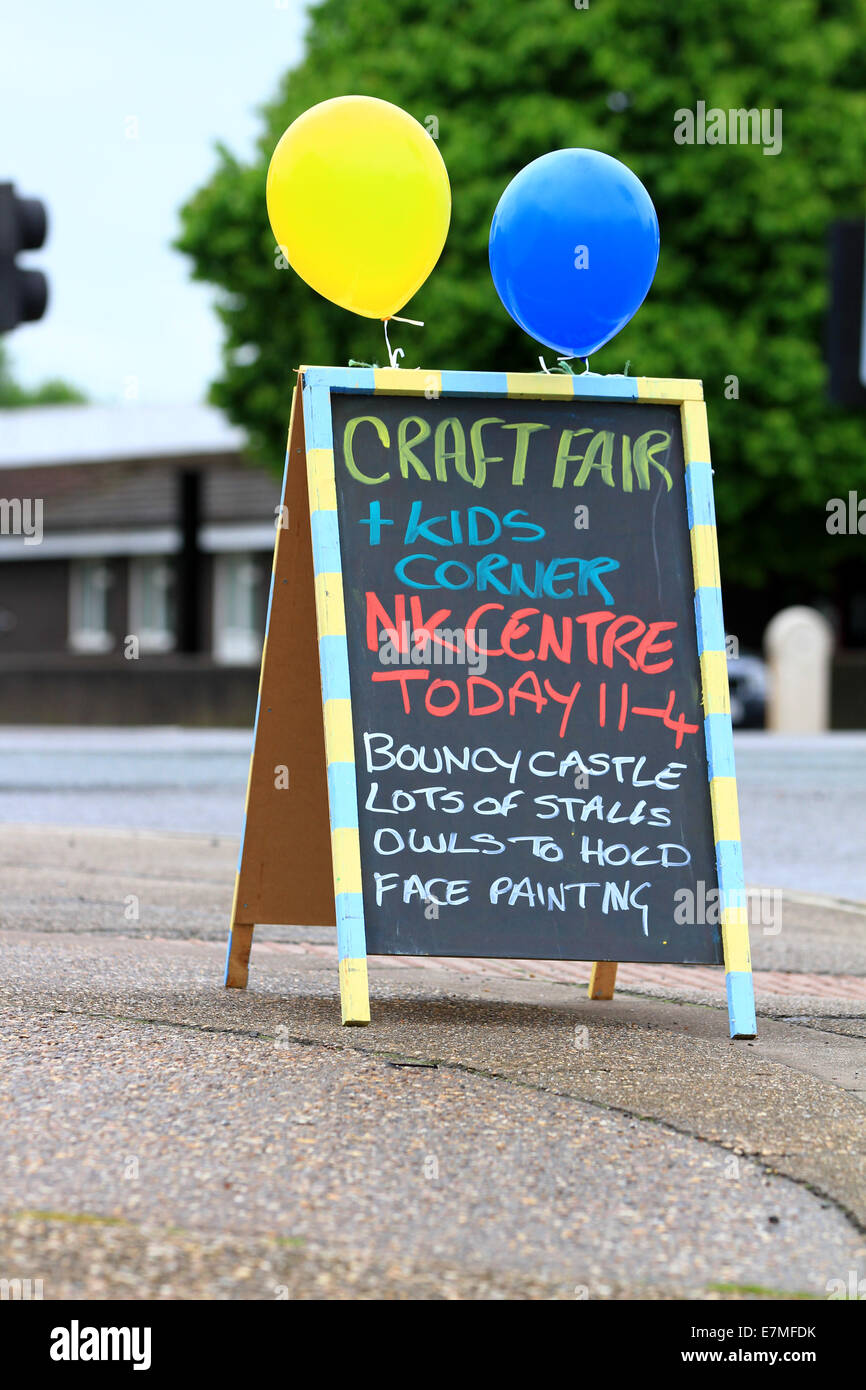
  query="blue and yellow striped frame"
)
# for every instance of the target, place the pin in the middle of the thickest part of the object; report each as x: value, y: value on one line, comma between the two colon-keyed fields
x: 317, y: 385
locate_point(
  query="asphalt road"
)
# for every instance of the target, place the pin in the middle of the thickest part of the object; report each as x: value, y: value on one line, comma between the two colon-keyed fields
x: 800, y: 798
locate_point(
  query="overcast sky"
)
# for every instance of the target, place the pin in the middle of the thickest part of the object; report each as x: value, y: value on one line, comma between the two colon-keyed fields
x: 74, y: 80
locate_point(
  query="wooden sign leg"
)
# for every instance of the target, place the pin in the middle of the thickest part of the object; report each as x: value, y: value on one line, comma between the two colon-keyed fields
x: 739, y: 985
x: 354, y: 992
x: 238, y: 950
x: 337, y: 708
x: 240, y: 940
x: 238, y: 957
x: 718, y: 733
x: 741, y: 1003
x: 602, y: 981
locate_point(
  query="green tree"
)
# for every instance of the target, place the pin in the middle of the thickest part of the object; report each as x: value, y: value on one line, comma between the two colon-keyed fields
x: 54, y: 392
x: 742, y: 281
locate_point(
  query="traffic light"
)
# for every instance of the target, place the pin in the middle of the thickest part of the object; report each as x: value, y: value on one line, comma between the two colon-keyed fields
x: 23, y: 225
x: 846, y: 321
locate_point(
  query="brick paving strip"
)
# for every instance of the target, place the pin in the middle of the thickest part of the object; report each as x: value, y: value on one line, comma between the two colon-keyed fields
x: 710, y: 979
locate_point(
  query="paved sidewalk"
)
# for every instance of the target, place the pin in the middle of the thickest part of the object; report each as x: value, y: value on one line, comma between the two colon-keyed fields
x: 676, y: 980
x: 492, y: 1134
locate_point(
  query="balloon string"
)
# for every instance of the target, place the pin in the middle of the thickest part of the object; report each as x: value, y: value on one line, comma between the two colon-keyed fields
x: 393, y: 353
x: 563, y: 364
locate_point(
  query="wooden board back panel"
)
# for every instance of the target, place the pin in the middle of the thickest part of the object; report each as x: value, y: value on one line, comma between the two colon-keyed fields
x: 284, y: 871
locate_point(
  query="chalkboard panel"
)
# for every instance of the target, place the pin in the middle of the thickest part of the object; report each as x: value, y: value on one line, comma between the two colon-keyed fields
x: 530, y: 756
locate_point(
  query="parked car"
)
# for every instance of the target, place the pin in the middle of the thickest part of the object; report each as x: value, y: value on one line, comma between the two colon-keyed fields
x: 747, y: 678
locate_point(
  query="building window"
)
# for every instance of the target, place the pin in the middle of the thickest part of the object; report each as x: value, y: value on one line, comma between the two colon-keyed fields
x: 89, y: 582
x: 237, y: 639
x: 152, y: 606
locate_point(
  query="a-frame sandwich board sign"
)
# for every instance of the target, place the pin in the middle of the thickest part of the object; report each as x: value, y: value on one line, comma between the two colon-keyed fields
x: 493, y: 714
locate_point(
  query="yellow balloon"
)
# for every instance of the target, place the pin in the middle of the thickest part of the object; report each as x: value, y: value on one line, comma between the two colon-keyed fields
x: 359, y: 200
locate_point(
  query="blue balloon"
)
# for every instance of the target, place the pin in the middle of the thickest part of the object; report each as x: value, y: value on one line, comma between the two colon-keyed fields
x: 574, y: 246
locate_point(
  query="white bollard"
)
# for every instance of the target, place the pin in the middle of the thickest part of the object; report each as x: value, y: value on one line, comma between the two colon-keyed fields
x: 798, y: 644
